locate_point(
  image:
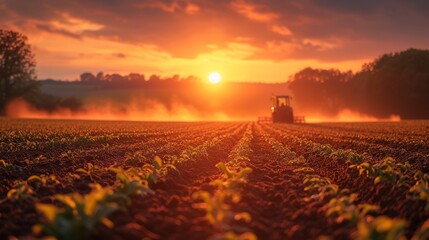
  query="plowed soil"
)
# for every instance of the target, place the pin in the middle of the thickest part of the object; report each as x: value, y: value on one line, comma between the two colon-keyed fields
x: 273, y: 195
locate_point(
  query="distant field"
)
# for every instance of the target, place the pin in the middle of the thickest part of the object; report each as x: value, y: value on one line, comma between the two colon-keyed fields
x: 231, y: 180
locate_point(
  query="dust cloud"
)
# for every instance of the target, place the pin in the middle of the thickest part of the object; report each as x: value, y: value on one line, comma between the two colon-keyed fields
x: 347, y: 115
x: 133, y: 111
x: 141, y: 109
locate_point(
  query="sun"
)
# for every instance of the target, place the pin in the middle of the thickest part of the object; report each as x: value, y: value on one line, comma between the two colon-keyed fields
x: 215, y: 77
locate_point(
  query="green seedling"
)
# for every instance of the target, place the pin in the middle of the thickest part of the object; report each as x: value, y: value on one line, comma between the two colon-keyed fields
x: 129, y: 183
x: 214, y: 205
x: 387, y: 170
x: 313, y: 183
x: 365, y: 169
x: 78, y: 215
x: 89, y: 170
x: 218, y: 212
x: 152, y: 172
x: 381, y: 227
x: 349, y: 156
x: 420, y: 190
x: 135, y: 158
x: 324, y: 150
x: 231, y: 179
x: 20, y: 192
x: 42, y: 180
x: 8, y: 166
x: 343, y: 209
x: 67, y: 154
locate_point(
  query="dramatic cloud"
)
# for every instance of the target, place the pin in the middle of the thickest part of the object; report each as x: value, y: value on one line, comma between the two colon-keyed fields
x: 245, y: 38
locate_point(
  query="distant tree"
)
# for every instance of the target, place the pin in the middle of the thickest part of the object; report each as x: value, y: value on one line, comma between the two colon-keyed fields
x: 392, y: 84
x: 100, y: 76
x: 395, y: 83
x: 320, y: 90
x: 17, y: 67
x: 87, y: 77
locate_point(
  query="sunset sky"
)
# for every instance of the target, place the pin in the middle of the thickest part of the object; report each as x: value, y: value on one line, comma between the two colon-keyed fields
x: 244, y: 40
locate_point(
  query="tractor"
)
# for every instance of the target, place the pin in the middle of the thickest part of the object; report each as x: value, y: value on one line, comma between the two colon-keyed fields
x: 281, y: 109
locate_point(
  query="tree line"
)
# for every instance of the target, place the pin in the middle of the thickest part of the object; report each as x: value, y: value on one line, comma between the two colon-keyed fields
x: 134, y: 80
x: 392, y: 84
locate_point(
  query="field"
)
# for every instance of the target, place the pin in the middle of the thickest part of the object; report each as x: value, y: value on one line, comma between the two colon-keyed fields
x: 235, y: 180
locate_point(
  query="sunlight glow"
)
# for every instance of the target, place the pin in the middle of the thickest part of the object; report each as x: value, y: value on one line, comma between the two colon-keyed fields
x: 215, y: 78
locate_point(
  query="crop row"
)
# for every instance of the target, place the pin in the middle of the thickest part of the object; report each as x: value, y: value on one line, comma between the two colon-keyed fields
x: 82, y: 218
x: 342, y: 207
x: 388, y: 172
x: 216, y: 204
x: 62, y: 135
x: 148, y: 149
x: 385, y: 138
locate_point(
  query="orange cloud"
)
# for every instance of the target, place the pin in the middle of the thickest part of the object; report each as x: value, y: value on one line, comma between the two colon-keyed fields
x: 192, y: 9
x: 284, y: 31
x: 74, y: 25
x: 252, y: 12
x: 160, y: 5
x: 187, y: 7
x: 322, y: 44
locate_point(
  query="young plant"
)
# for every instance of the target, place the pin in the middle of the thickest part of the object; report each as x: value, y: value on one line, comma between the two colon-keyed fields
x: 9, y: 167
x: 218, y: 212
x: 324, y: 150
x: 135, y: 158
x: 343, y: 209
x: 6, y: 166
x: 42, y: 180
x: 129, y: 183
x: 231, y: 179
x: 78, y: 215
x: 89, y: 170
x: 381, y: 227
x: 387, y: 170
x: 152, y: 172
x: 349, y: 156
x: 420, y: 190
x: 315, y: 184
x: 20, y: 192
x: 365, y: 169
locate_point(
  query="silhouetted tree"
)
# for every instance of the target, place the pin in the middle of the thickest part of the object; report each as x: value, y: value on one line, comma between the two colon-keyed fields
x: 320, y: 90
x: 395, y: 83
x: 100, y: 76
x: 87, y: 77
x: 17, y: 67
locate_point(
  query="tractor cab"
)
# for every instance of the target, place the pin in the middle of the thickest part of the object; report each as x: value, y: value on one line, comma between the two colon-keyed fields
x: 281, y: 109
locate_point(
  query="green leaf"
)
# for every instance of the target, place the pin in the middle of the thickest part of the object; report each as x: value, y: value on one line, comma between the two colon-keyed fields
x: 34, y: 178
x: 81, y: 170
x: 3, y: 163
x: 107, y: 222
x: 243, y: 216
x: 377, y: 180
x: 158, y: 162
x: 48, y: 210
x: 224, y: 169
